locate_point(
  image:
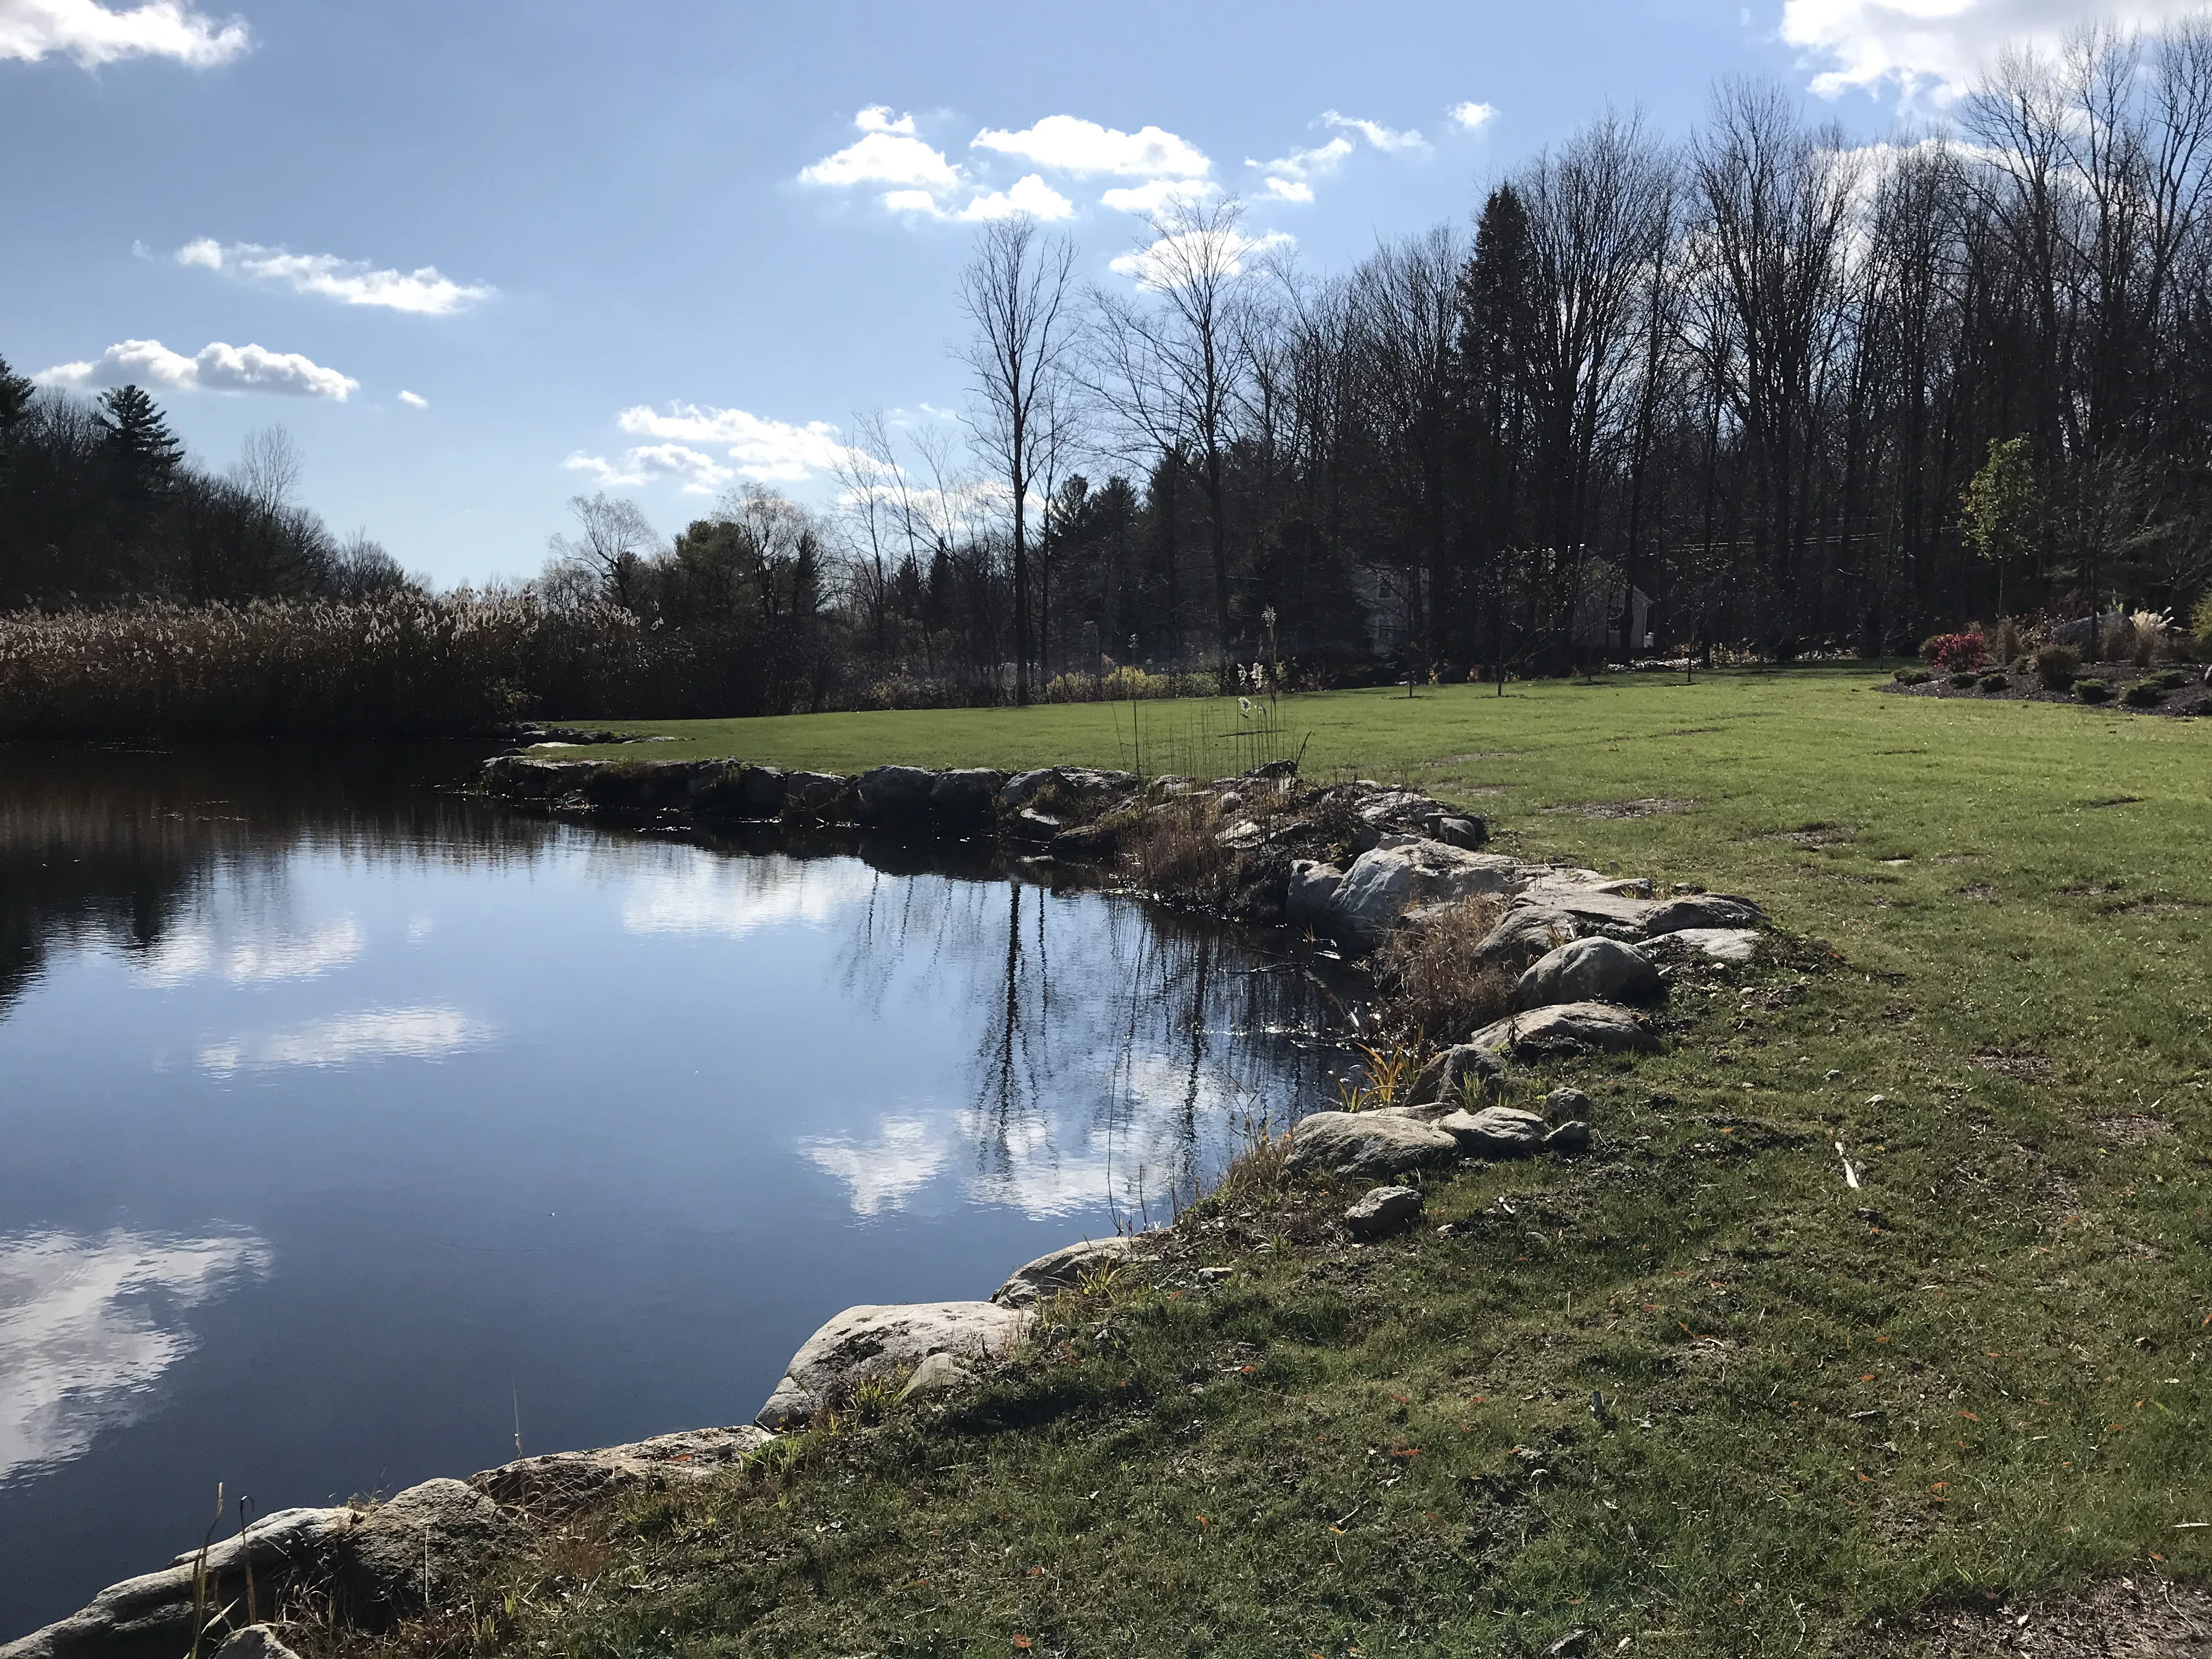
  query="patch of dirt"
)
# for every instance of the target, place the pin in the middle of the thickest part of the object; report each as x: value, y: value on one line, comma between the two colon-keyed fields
x: 2152, y: 904
x: 1977, y: 890
x: 2133, y: 1130
x: 1818, y: 834
x: 2153, y: 1619
x: 1621, y: 808
x: 1475, y: 755
x: 2023, y: 1063
x: 2191, y: 698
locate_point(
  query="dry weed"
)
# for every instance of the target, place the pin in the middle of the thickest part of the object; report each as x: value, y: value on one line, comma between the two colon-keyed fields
x: 1430, y: 978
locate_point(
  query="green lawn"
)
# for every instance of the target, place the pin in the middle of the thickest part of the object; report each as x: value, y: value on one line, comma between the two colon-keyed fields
x: 1832, y: 1414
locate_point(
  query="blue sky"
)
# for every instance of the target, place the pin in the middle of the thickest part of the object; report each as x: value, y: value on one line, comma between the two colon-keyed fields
x: 480, y: 257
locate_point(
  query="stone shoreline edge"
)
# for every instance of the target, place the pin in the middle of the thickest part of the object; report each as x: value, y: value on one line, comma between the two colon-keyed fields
x: 1589, y: 949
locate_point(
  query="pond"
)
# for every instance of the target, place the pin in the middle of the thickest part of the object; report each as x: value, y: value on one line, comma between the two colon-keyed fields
x: 355, y: 1130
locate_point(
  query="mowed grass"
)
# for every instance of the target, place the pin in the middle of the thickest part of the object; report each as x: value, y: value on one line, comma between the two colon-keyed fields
x: 1829, y: 1414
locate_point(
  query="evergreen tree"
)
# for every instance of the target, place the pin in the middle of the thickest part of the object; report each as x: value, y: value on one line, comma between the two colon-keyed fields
x: 15, y: 403
x: 137, y: 442
x: 1497, y: 333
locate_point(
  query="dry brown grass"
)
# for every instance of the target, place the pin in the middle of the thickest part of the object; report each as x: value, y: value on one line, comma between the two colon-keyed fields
x: 1430, y: 981
x: 1175, y: 849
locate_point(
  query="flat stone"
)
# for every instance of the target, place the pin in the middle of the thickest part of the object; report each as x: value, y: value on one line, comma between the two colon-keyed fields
x: 1384, y: 1210
x: 1589, y: 970
x: 1495, y: 1132
x: 1526, y: 931
x: 1703, y: 910
x: 1722, y: 943
x: 1063, y: 1269
x: 1368, y: 1146
x: 863, y: 1341
x: 1565, y: 1029
x: 1572, y: 1136
x: 254, y: 1642
x: 939, y: 1373
x: 556, y: 1484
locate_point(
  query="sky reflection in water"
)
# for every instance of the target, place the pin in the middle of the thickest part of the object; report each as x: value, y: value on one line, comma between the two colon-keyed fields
x: 341, y: 1113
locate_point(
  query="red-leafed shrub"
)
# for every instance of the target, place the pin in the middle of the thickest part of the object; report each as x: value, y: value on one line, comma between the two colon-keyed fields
x: 1955, y: 653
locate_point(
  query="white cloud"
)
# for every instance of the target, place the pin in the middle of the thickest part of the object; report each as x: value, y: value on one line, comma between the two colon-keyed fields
x: 88, y: 1325
x: 1156, y: 195
x: 1156, y: 267
x: 1289, y: 177
x: 422, y: 1033
x: 1287, y: 190
x: 701, y: 475
x: 188, y: 952
x: 912, y: 201
x: 94, y: 35
x: 1471, y: 116
x: 766, y: 449
x: 217, y: 367
x: 1386, y: 139
x: 414, y: 400
x: 1029, y: 195
x: 1073, y: 145
x: 886, y: 153
x: 1935, y: 47
x: 350, y: 282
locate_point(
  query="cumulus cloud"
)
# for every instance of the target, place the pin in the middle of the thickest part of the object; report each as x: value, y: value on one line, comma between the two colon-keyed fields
x: 1156, y: 195
x: 769, y: 450
x: 886, y: 153
x: 94, y: 34
x: 1160, y: 264
x: 1029, y: 195
x: 1071, y: 144
x: 414, y: 400
x: 1934, y: 47
x: 1386, y: 139
x: 700, y: 474
x: 1471, y: 116
x: 216, y: 367
x: 350, y: 282
x: 1289, y: 177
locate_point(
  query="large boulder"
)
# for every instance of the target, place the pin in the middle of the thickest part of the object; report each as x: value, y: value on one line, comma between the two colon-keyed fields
x: 863, y: 1341
x: 638, y: 786
x: 717, y: 787
x: 522, y: 777
x: 1022, y: 787
x: 894, y: 796
x: 1722, y: 943
x: 1703, y: 910
x: 1564, y: 1029
x: 1310, y: 901
x: 557, y: 1484
x: 1589, y: 970
x: 764, y: 791
x: 967, y: 796
x: 1405, y: 871
x: 814, y: 794
x: 1526, y: 931
x: 1367, y: 1145
x: 1063, y: 1269
x: 1596, y: 906
x: 1450, y: 1075
x: 427, y: 1539
x: 1384, y: 1210
x: 1495, y: 1132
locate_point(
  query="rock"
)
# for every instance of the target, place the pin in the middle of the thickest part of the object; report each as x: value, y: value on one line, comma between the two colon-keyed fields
x: 1563, y: 1104
x: 1455, y: 830
x: 1703, y: 910
x: 813, y: 795
x: 1495, y: 1132
x: 764, y: 787
x: 1215, y: 1275
x: 522, y: 777
x: 428, y: 1538
x: 254, y: 1642
x: 559, y: 1483
x: 1064, y: 1269
x: 968, y: 797
x: 895, y: 796
x: 1089, y: 842
x: 1022, y: 787
x: 638, y: 786
x: 939, y: 1373
x: 1311, y: 900
x: 1595, y: 909
x: 1383, y: 883
x: 1029, y: 824
x: 1525, y: 932
x: 1573, y: 1643
x: 863, y: 1341
x: 1722, y: 943
x: 1572, y: 1136
x: 1564, y: 1029
x: 1449, y: 1074
x: 1368, y: 1146
x: 1385, y: 1210
x: 1589, y: 970
x: 717, y: 787
x: 1427, y: 1112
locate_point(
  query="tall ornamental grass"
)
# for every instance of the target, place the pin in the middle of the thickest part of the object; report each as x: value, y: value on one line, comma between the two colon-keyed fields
x: 395, y: 665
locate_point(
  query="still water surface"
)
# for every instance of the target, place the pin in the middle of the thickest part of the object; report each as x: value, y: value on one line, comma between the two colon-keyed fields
x: 342, y: 1120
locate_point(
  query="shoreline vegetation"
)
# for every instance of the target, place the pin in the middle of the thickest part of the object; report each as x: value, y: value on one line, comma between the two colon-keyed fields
x: 1824, y: 1334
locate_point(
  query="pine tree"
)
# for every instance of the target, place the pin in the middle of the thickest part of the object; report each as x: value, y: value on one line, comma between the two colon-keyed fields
x: 1496, y: 330
x: 137, y: 442
x: 15, y: 403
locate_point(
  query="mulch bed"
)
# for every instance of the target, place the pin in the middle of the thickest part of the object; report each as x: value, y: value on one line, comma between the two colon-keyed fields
x: 2194, y: 698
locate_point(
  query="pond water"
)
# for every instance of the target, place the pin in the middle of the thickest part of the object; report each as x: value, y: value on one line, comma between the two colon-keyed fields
x: 349, y: 1128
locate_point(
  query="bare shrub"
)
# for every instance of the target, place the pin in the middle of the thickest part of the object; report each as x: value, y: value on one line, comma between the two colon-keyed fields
x: 1430, y: 980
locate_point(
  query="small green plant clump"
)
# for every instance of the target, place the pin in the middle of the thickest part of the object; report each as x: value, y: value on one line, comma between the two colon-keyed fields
x: 2056, y: 665
x: 1995, y: 683
x: 2170, y: 679
x: 2144, y: 693
x: 1912, y: 677
x: 1965, y: 680
x: 2093, y: 691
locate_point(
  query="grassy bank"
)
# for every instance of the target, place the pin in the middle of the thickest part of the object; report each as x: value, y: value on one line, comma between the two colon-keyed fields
x: 1832, y: 1416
